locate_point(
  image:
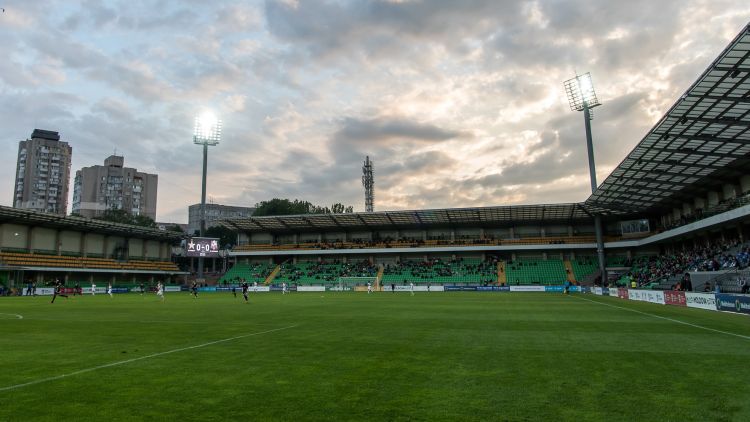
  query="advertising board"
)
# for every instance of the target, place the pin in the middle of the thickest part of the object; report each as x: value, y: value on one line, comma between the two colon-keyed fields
x: 675, y: 298
x: 527, y: 288
x: 701, y: 300
x: 653, y: 296
x: 733, y: 303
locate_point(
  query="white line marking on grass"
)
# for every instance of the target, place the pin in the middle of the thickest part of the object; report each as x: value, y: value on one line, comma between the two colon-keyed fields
x: 153, y: 355
x: 15, y: 315
x: 665, y: 318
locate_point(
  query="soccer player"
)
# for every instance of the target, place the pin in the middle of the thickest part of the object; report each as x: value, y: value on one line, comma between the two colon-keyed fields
x: 141, y: 287
x: 29, y: 292
x: 245, y: 288
x: 109, y: 289
x: 160, y: 290
x: 58, y: 292
x: 93, y: 289
x: 255, y: 287
x: 77, y: 289
x: 369, y: 287
x: 411, y: 288
x: 234, y: 290
x: 283, y: 288
x: 194, y: 290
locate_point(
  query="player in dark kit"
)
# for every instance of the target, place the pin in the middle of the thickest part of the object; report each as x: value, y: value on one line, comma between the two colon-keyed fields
x: 234, y: 290
x: 194, y: 290
x: 141, y: 287
x: 245, y: 288
x: 58, y: 292
x: 77, y: 289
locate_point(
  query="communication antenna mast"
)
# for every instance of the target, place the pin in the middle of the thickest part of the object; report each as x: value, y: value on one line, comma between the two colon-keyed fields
x: 368, y: 181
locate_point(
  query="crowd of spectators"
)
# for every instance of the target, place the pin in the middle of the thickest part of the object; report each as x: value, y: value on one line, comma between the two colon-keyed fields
x: 486, y: 270
x: 717, y: 256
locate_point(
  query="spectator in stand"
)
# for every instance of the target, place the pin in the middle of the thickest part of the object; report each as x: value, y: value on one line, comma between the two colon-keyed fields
x: 742, y: 284
x: 707, y: 287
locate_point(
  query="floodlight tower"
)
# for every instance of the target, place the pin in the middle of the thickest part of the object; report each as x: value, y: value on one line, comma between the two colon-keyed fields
x: 368, y: 181
x: 582, y: 97
x: 207, y: 131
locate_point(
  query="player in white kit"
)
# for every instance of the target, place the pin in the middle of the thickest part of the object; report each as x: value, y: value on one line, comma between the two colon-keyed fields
x: 109, y: 289
x: 160, y: 291
x: 255, y: 287
x: 283, y: 288
x: 93, y: 289
x: 411, y: 288
x: 369, y: 287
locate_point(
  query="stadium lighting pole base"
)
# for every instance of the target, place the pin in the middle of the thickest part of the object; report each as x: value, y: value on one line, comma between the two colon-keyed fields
x: 592, y: 175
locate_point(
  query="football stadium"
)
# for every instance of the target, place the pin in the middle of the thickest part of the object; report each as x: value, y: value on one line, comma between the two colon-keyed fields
x: 630, y: 305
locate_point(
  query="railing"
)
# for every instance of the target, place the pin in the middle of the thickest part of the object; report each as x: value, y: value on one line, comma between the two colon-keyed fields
x: 558, y: 240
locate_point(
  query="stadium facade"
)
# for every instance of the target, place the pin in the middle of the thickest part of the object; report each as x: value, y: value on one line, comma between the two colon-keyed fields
x: 686, y: 183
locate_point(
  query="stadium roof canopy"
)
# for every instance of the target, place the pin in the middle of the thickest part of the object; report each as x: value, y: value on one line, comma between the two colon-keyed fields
x: 701, y: 143
x: 396, y: 220
x: 10, y: 215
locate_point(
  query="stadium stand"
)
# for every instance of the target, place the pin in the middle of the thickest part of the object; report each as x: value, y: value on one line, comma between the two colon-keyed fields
x: 536, y: 271
x: 460, y: 271
x: 67, y: 262
x: 252, y: 273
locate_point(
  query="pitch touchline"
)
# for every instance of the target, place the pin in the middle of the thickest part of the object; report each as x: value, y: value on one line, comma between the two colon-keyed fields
x: 15, y: 315
x: 665, y: 318
x: 122, y: 362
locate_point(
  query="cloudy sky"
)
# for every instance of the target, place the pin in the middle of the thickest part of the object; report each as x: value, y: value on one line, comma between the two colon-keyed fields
x: 458, y: 103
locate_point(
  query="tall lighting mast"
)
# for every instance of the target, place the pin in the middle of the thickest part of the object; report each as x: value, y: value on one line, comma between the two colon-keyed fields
x: 206, y: 132
x: 368, y: 181
x: 582, y: 97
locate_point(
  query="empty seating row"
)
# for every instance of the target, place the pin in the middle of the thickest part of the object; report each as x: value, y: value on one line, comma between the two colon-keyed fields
x: 62, y: 261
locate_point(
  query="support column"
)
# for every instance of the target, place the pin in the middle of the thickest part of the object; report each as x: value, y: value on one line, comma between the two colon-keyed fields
x: 83, y: 244
x: 58, y: 243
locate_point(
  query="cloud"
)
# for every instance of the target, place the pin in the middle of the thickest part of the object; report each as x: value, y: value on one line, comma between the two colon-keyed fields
x: 457, y: 103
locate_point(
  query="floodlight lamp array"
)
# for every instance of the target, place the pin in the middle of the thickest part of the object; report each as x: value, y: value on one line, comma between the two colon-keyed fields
x: 207, y: 130
x: 581, y: 92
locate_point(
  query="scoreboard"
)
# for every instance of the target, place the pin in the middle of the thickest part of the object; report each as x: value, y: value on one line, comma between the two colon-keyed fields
x: 202, y: 247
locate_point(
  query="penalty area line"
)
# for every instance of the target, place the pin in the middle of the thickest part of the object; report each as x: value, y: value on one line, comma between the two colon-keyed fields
x: 153, y: 355
x: 677, y: 321
x: 15, y: 315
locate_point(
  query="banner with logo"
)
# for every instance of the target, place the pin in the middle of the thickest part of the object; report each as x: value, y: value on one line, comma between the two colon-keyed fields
x: 560, y: 289
x: 526, y: 288
x: 675, y: 298
x: 701, y: 300
x: 733, y: 303
x: 614, y: 292
x: 653, y: 296
x: 311, y: 288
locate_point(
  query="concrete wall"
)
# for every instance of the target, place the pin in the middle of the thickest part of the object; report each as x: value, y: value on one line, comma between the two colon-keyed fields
x: 70, y: 241
x: 151, y: 249
x: 94, y: 243
x: 13, y: 236
x: 135, y: 248
x: 44, y: 239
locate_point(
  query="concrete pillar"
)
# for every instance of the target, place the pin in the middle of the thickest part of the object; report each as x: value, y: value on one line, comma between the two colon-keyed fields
x: 729, y: 191
x: 424, y: 234
x: 745, y: 184
x: 687, y: 208
x: 676, y: 213
x: 83, y: 244
x: 570, y: 230
x: 453, y: 235
x: 543, y: 232
x: 699, y: 203
x: 29, y: 234
x: 296, y: 238
x: 481, y: 233
x: 320, y: 238
x: 712, y: 198
x: 512, y: 233
x: 58, y: 242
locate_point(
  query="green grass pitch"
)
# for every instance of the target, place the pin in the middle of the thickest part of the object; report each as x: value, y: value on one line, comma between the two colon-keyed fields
x: 350, y: 356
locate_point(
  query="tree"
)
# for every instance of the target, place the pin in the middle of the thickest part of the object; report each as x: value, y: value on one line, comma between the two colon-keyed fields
x: 278, y: 206
x: 123, y: 217
x: 226, y: 236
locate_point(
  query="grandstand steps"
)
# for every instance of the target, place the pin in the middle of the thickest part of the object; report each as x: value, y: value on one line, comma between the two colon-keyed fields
x: 273, y: 275
x: 379, y: 277
x: 502, y: 278
x: 589, y: 279
x: 569, y: 270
